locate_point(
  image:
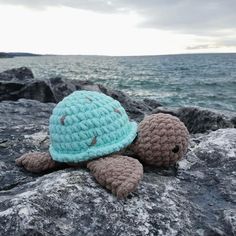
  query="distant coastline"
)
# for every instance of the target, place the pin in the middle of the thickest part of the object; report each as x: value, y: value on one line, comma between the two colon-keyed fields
x: 17, y: 54
x: 26, y: 54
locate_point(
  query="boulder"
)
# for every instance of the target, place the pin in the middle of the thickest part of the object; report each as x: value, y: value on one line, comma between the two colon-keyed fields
x: 197, y: 197
x: 18, y: 74
x: 200, y: 120
x: 37, y: 90
x: 136, y: 109
x: 18, y: 83
x: 61, y: 87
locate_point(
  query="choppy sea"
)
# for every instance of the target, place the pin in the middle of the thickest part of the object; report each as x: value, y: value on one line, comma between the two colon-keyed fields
x: 206, y: 80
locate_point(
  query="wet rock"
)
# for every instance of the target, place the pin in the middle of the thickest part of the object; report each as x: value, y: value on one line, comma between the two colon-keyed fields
x: 19, y: 74
x: 37, y: 90
x: 135, y: 109
x: 15, y: 84
x: 233, y: 121
x: 20, y: 83
x: 195, y: 198
x: 62, y: 87
x: 200, y: 120
x: 152, y: 103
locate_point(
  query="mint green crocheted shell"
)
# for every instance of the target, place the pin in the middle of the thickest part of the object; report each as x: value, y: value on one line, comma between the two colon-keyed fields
x: 86, y: 125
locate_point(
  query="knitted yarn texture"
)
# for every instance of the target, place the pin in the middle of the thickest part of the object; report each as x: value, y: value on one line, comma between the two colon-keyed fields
x: 120, y: 174
x: 36, y: 162
x: 162, y: 140
x: 87, y: 125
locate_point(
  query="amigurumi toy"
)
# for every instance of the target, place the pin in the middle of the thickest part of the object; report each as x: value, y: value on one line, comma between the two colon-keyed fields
x: 162, y: 140
x: 84, y: 126
x: 90, y: 128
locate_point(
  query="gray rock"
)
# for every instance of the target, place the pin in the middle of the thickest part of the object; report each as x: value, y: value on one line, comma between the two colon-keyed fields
x: 233, y: 121
x: 19, y: 74
x: 20, y: 123
x: 14, y: 84
x: 195, y: 198
x: 20, y: 83
x: 36, y: 90
x: 152, y: 103
x: 201, y: 120
x: 136, y: 109
x: 208, y: 174
x: 62, y: 87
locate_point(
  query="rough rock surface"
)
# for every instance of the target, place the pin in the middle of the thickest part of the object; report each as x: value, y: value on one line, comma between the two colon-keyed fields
x: 19, y: 83
x: 201, y: 120
x: 19, y: 74
x: 37, y: 90
x: 15, y: 84
x: 195, y: 198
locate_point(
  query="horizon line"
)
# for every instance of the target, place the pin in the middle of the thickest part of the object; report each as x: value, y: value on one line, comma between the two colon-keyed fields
x: 102, y: 55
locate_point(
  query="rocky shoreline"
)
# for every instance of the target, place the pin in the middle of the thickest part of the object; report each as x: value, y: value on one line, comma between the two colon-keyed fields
x: 197, y: 197
x: 17, y: 54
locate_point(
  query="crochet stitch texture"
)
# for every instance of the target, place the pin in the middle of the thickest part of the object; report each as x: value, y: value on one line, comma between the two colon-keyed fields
x: 86, y: 125
x: 162, y: 140
x: 120, y: 174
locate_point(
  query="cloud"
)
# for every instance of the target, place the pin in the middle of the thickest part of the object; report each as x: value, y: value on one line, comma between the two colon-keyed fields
x: 227, y: 41
x: 211, y: 18
x: 202, y: 46
x: 93, y: 5
x: 193, y: 17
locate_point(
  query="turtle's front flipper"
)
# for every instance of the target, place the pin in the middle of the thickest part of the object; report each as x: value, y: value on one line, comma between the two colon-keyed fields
x: 37, y: 162
x: 120, y: 174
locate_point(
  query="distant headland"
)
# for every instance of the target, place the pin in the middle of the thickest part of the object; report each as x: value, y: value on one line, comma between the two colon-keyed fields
x: 17, y: 54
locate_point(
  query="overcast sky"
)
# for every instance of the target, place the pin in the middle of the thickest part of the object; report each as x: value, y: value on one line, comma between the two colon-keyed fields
x: 118, y: 27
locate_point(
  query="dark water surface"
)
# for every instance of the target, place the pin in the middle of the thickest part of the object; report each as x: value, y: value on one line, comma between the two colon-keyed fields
x: 207, y: 80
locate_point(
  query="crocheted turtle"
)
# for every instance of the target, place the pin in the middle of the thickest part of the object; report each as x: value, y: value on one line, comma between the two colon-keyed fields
x: 84, y: 128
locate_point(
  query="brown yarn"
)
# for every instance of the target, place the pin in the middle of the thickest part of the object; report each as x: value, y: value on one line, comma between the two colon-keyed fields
x: 120, y: 174
x: 36, y: 162
x: 62, y: 120
x: 162, y: 140
x: 94, y: 141
x: 117, y: 111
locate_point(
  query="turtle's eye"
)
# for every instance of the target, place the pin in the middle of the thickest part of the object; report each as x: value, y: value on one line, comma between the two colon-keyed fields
x: 175, y: 149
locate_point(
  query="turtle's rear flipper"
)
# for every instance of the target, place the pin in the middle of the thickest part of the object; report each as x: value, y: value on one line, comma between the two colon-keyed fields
x: 120, y: 174
x: 37, y: 162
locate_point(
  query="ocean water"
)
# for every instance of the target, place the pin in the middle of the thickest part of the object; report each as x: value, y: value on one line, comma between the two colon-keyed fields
x: 206, y: 80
